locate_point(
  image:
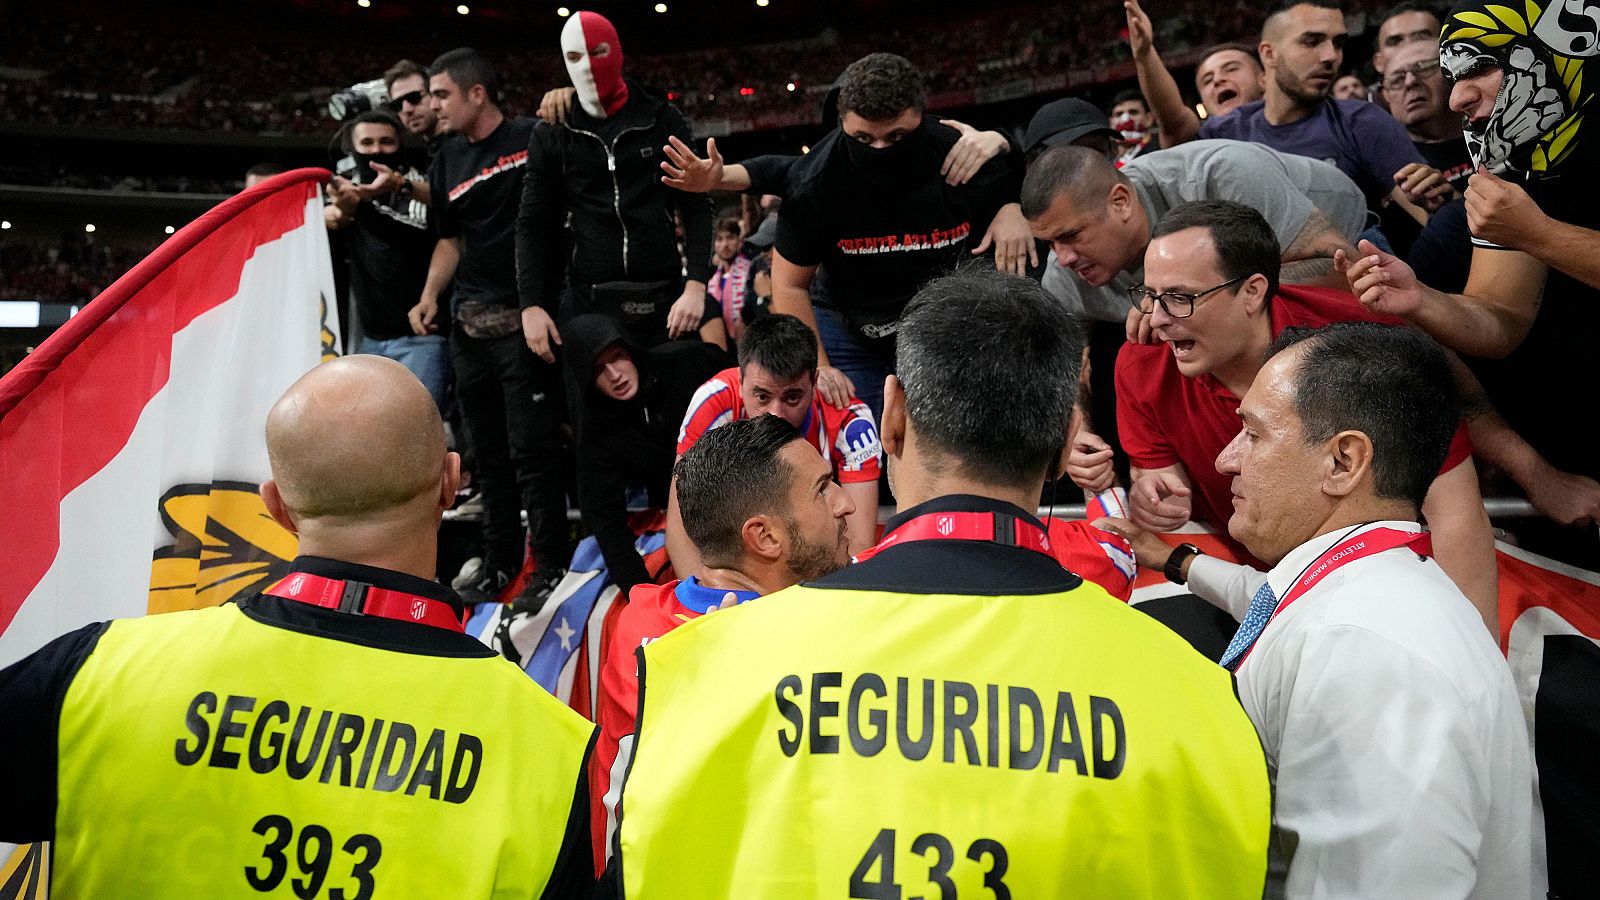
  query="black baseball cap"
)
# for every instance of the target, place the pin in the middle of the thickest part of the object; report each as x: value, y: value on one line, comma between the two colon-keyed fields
x: 1060, y: 122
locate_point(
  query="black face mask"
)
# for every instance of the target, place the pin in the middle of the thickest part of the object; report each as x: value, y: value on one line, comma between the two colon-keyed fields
x: 892, y: 164
x: 395, y: 161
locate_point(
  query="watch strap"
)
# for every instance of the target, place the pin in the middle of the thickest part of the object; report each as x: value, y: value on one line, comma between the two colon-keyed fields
x: 1174, y: 567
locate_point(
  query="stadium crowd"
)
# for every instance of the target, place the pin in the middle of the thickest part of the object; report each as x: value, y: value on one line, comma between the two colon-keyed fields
x: 87, y: 75
x: 1337, y: 315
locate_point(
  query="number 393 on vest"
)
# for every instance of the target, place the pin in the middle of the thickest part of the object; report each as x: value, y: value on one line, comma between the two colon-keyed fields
x: 988, y: 725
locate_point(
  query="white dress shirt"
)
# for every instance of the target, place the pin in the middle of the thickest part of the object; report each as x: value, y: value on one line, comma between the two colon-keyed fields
x: 1392, y: 729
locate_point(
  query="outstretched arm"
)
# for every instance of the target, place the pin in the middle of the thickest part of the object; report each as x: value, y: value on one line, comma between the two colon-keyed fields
x: 1177, y: 122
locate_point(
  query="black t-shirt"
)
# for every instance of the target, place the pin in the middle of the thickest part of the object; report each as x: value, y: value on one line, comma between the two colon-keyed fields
x: 881, y: 237
x: 1532, y: 387
x: 476, y: 189
x: 390, y: 247
x: 770, y: 174
x: 1451, y: 159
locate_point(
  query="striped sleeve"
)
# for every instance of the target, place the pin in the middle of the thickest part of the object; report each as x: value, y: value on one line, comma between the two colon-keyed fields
x: 711, y: 406
x: 857, y: 450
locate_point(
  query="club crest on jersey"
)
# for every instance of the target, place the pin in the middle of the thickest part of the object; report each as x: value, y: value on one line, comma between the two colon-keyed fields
x: 946, y: 525
x: 224, y: 546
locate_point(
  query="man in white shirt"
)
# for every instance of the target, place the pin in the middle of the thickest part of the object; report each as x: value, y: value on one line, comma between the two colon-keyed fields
x: 1392, y: 729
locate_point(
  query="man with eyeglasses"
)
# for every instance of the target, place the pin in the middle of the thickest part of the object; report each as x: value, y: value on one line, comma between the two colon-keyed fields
x: 1215, y: 303
x: 1414, y: 86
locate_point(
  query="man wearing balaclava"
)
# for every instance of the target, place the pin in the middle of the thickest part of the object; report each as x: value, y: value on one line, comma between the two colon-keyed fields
x: 869, y: 205
x: 1517, y: 78
x: 600, y: 167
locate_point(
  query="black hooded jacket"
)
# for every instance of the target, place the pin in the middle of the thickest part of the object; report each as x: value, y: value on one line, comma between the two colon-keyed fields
x: 622, y: 442
x: 606, y: 174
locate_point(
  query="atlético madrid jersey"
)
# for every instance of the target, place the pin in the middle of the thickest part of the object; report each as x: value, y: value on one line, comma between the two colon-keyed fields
x: 847, y: 438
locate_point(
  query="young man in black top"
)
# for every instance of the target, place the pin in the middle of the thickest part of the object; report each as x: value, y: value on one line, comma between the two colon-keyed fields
x: 599, y: 167
x: 389, y: 240
x: 510, y: 399
x: 627, y: 403
x: 870, y: 204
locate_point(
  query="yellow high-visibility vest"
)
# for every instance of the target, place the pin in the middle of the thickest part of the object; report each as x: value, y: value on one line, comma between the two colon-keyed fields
x: 849, y: 743
x: 205, y: 754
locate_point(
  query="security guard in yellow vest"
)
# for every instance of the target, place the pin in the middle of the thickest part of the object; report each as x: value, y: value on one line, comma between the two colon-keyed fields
x: 336, y: 736
x: 955, y: 715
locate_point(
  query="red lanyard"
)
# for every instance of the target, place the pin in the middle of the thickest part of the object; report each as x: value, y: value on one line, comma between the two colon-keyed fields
x: 364, y: 599
x: 998, y: 528
x: 1359, y: 547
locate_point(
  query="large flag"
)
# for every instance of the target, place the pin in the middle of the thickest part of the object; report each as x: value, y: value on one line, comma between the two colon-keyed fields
x: 561, y: 645
x: 131, y: 440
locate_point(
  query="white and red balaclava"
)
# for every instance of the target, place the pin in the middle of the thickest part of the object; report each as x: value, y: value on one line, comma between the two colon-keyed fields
x: 598, y: 74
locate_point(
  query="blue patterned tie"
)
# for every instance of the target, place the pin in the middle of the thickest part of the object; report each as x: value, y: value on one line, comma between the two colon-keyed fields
x: 1255, y: 619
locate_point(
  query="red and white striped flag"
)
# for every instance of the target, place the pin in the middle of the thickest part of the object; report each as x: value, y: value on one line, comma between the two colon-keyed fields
x: 131, y: 441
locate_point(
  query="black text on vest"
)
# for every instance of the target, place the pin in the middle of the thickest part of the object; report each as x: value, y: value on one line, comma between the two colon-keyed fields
x: 995, y: 726
x: 335, y: 748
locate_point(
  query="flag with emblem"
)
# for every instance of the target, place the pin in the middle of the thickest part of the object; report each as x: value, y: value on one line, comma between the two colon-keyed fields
x: 560, y: 644
x: 131, y: 442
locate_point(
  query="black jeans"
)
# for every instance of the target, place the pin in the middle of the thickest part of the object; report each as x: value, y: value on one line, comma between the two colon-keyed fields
x: 511, y: 404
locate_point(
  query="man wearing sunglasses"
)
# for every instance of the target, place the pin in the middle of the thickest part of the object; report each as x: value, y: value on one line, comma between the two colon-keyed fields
x: 407, y: 83
x: 1215, y: 304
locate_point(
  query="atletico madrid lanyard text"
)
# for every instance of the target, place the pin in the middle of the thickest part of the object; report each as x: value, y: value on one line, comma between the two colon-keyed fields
x: 360, y: 598
x: 1359, y: 547
x: 998, y: 528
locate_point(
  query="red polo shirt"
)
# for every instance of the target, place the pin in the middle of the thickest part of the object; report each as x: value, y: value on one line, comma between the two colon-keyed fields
x: 1165, y: 417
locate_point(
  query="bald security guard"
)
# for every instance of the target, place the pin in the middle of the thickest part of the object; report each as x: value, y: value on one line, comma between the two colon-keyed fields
x: 336, y: 735
x: 955, y: 713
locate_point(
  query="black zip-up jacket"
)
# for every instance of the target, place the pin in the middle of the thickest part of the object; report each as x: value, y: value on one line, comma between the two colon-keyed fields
x: 606, y: 174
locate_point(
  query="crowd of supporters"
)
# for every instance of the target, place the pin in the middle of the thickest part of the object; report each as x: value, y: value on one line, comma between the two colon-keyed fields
x: 568, y: 290
x: 91, y: 75
x: 71, y: 270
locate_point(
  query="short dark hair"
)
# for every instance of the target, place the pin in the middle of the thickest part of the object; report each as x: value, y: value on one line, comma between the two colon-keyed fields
x: 402, y: 69
x: 880, y: 86
x: 1408, y: 6
x: 1282, y: 7
x: 347, y: 133
x: 1245, y: 243
x: 989, y: 364
x: 1247, y: 49
x: 730, y: 474
x: 265, y: 170
x: 781, y: 344
x: 1126, y: 94
x: 1088, y: 175
x: 729, y: 225
x: 467, y: 67
x: 1392, y: 384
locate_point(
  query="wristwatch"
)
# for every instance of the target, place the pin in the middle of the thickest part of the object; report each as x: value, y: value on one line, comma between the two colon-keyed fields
x: 1174, y: 567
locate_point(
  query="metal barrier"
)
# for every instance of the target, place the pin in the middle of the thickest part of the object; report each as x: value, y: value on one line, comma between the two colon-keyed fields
x: 1497, y: 507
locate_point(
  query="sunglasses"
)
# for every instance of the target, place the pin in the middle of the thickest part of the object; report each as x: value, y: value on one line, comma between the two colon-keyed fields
x: 414, y: 98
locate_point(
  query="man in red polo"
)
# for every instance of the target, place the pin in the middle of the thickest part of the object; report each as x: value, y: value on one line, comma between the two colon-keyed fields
x: 764, y: 513
x: 1211, y: 290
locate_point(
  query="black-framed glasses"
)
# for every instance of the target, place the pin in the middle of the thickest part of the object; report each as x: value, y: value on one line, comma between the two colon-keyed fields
x: 1422, y: 68
x: 414, y: 98
x: 1177, y: 305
